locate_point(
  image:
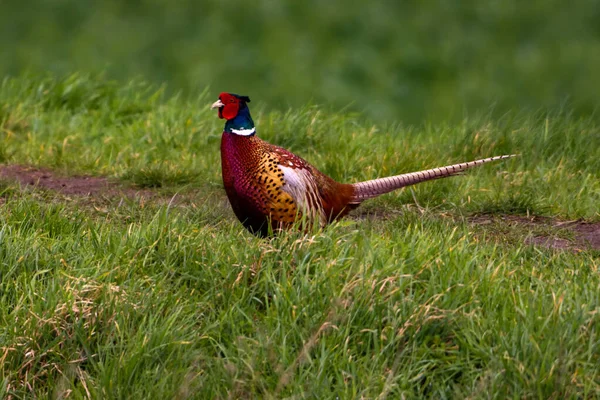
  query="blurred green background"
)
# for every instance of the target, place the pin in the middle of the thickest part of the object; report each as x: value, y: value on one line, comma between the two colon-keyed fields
x: 402, y: 61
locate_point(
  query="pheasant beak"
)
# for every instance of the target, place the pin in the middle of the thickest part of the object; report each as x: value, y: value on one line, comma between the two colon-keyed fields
x: 217, y: 104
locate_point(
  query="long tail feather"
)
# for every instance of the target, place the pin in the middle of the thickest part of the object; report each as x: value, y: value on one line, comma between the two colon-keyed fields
x: 373, y: 188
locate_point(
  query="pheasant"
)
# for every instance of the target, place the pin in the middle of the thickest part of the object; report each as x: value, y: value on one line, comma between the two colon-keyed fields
x: 270, y: 188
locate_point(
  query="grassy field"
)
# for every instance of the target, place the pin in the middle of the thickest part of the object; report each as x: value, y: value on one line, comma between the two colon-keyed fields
x: 408, y: 61
x: 445, y: 290
x: 168, y: 297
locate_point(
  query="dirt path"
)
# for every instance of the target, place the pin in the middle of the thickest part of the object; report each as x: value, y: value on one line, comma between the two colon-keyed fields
x: 586, y: 235
x: 92, y: 186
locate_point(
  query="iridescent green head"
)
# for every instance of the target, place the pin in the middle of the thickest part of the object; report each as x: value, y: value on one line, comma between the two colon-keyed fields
x: 234, y: 109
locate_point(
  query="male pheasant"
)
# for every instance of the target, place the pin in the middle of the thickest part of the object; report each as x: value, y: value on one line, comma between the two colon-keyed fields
x: 270, y: 188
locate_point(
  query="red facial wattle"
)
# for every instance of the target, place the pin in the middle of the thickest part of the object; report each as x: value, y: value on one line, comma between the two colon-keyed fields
x: 230, y: 110
x: 231, y: 106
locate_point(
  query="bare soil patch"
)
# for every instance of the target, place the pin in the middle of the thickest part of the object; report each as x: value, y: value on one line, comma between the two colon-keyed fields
x: 589, y: 233
x: 92, y: 186
x: 584, y: 234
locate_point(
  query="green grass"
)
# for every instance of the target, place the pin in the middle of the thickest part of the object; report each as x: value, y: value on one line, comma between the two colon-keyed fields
x: 406, y: 61
x: 109, y: 299
x: 89, y: 125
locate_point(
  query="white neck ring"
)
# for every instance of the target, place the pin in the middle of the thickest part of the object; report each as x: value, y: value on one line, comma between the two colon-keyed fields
x: 243, y: 132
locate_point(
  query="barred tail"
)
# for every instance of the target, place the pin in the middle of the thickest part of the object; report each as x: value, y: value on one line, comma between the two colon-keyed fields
x: 373, y: 188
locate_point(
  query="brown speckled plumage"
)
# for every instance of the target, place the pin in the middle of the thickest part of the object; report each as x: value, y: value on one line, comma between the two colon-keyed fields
x: 254, y: 183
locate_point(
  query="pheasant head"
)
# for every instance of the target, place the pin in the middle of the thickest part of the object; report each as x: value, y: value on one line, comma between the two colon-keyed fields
x: 234, y: 109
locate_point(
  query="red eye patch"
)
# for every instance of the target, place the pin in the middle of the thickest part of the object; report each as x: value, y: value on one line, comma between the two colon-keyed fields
x: 231, y: 106
x: 230, y: 110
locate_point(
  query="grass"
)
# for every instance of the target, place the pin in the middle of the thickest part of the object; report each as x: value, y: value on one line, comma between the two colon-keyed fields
x: 398, y: 61
x: 146, y: 299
